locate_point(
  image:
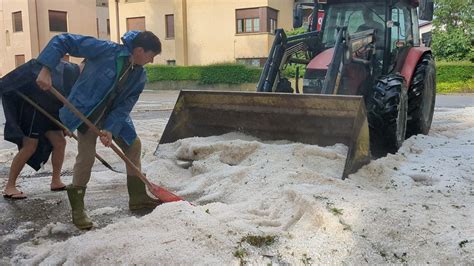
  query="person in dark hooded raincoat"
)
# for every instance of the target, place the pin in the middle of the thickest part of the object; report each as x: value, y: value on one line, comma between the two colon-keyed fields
x: 35, y: 135
x: 106, y: 91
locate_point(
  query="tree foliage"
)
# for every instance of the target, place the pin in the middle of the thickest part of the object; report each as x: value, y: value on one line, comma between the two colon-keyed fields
x: 454, y: 14
x: 453, y: 33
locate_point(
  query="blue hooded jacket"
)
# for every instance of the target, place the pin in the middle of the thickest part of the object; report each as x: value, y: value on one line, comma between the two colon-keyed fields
x: 97, y: 80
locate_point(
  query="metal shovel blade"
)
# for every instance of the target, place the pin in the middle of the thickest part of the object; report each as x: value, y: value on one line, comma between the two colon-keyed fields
x: 323, y: 120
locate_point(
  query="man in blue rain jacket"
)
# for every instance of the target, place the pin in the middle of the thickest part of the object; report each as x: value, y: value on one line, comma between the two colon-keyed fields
x: 106, y: 91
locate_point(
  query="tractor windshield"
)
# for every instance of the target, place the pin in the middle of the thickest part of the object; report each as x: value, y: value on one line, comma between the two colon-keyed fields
x: 356, y: 16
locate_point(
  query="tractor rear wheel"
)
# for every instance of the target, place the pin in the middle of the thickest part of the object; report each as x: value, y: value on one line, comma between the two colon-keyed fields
x: 421, y: 97
x: 387, y: 114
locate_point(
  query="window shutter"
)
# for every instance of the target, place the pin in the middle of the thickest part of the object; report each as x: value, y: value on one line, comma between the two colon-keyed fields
x: 169, y: 23
x: 17, y: 21
x: 137, y: 23
x: 57, y: 21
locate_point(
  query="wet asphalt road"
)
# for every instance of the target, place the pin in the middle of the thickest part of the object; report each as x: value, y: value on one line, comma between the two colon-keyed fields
x: 49, y: 207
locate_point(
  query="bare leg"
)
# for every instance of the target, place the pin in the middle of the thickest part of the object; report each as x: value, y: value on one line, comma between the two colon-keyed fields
x: 19, y: 161
x: 56, y: 137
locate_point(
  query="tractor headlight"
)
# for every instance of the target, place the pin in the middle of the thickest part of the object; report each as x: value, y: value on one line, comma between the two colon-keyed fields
x: 348, y: 55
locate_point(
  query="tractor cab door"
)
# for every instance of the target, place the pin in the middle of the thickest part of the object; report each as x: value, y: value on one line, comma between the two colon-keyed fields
x: 403, y: 34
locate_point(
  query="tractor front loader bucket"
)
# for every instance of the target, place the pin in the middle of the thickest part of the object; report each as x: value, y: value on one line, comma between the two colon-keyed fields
x: 312, y: 119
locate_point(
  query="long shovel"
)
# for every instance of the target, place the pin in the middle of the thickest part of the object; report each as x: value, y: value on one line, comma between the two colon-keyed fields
x: 159, y: 192
x: 59, y: 124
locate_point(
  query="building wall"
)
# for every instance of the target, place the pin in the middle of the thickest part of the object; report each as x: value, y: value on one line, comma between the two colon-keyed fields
x: 211, y: 42
x: 285, y: 16
x: 81, y: 17
x: 14, y: 43
x: 154, y: 12
x: 205, y: 30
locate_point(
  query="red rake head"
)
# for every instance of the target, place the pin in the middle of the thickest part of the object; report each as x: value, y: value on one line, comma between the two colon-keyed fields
x: 163, y: 194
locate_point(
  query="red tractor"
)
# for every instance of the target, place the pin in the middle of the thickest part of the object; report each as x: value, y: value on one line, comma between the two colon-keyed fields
x: 368, y: 48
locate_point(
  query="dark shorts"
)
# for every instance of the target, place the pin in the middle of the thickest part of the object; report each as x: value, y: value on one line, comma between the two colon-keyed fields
x: 33, y: 123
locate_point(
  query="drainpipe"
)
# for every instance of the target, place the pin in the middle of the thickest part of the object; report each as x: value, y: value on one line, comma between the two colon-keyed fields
x: 185, y: 31
x: 117, y: 19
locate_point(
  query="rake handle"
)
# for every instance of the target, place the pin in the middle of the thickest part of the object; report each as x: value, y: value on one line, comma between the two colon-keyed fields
x: 94, y: 129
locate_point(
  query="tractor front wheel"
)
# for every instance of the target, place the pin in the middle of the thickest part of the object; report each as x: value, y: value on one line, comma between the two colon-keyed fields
x: 387, y: 114
x: 421, y: 97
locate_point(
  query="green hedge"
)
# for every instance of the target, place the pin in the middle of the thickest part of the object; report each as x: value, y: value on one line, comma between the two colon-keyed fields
x: 211, y: 74
x: 454, y: 77
x: 162, y: 72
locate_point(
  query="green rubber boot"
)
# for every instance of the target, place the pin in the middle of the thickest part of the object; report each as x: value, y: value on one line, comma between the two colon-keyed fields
x: 76, y: 199
x: 138, y: 197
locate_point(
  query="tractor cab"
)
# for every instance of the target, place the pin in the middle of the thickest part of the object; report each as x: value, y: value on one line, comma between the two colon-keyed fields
x: 395, y: 30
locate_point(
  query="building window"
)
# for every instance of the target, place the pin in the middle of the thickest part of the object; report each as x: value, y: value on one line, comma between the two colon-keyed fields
x: 108, y: 26
x: 272, y: 18
x: 262, y: 19
x: 169, y: 22
x: 97, y: 26
x: 248, y: 25
x: 171, y: 62
x: 101, y: 3
x: 137, y: 23
x: 252, y: 25
x: 57, y: 21
x: 19, y: 60
x: 273, y: 25
x: 17, y: 21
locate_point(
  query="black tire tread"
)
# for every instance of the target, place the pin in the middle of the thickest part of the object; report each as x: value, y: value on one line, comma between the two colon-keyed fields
x: 415, y: 96
x: 382, y: 112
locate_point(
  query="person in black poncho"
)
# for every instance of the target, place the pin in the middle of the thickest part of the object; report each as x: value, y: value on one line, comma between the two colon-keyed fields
x: 35, y: 135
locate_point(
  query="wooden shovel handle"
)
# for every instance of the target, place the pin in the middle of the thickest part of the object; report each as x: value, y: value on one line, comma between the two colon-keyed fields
x: 99, y: 133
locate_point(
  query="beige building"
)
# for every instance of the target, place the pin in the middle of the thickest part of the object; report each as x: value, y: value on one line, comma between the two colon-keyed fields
x: 26, y: 26
x: 200, y: 32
